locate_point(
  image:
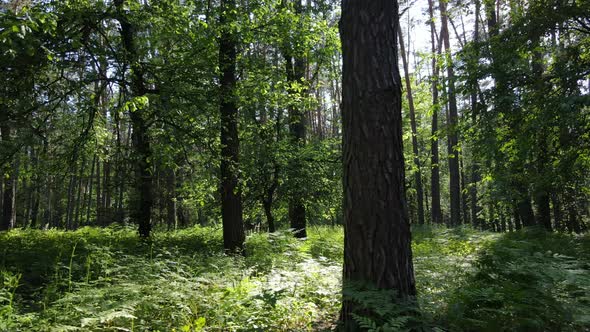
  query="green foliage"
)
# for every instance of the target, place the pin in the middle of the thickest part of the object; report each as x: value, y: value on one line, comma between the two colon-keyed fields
x: 107, y: 279
x: 524, y: 281
x: 112, y: 281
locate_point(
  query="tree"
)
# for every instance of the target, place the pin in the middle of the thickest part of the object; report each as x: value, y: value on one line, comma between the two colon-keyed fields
x: 436, y: 214
x: 231, y: 200
x: 295, y: 66
x: 452, y: 122
x: 418, y: 171
x: 377, y: 250
x: 142, y: 209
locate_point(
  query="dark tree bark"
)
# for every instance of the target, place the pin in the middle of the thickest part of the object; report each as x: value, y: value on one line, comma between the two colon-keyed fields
x: 436, y: 214
x: 98, y: 221
x: 79, y: 199
x: 295, y: 65
x: 542, y: 186
x: 36, y: 190
x: 231, y: 200
x: 475, y: 173
x: 525, y: 210
x: 107, y: 194
x: 377, y: 250
x: 418, y: 172
x: 171, y: 208
x: 268, y: 196
x: 557, y: 213
x: 90, y: 184
x: 141, y: 211
x: 9, y: 189
x: 453, y: 142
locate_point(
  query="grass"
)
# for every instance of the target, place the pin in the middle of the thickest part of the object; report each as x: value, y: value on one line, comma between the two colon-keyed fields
x: 108, y: 280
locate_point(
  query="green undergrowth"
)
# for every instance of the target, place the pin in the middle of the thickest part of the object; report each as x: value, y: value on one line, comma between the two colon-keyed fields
x: 108, y: 280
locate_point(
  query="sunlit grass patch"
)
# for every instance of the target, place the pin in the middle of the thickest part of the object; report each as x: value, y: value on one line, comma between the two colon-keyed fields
x: 108, y: 280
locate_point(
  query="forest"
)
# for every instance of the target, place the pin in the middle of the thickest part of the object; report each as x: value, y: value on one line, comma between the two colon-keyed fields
x: 294, y: 165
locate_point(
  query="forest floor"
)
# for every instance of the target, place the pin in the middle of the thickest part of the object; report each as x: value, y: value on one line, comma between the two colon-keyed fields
x: 108, y: 280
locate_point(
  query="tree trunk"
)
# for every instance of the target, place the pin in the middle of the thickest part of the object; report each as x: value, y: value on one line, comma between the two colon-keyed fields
x: 89, y: 192
x: 98, y: 221
x: 171, y: 220
x: 36, y: 190
x: 79, y: 198
x: 453, y: 151
x: 141, y: 211
x: 377, y: 250
x: 107, y: 194
x: 295, y: 65
x: 231, y: 200
x: 418, y: 171
x: 475, y: 174
x: 525, y: 210
x: 557, y: 214
x: 9, y: 194
x: 436, y: 213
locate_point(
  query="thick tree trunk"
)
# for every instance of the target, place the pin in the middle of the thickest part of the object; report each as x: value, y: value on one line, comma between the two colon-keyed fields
x: 418, y: 171
x: 231, y: 197
x: 377, y: 250
x: 452, y: 126
x: 436, y: 213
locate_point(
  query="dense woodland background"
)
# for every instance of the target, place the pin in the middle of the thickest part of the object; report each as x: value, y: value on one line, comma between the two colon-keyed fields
x: 162, y: 115
x: 496, y: 123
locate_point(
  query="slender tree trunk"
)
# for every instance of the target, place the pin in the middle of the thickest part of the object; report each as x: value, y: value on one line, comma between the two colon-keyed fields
x: 78, y: 202
x: 557, y: 214
x: 542, y: 187
x: 475, y: 174
x: 90, y: 184
x: 142, y: 207
x: 171, y: 212
x: 436, y: 213
x: 377, y: 250
x: 453, y: 146
x: 418, y: 171
x: 525, y: 210
x: 464, y: 192
x: 99, y: 220
x: 516, y: 216
x: 295, y: 65
x: 107, y: 194
x: 70, y: 197
x: 268, y: 200
x: 36, y: 189
x: 231, y: 200
x: 10, y: 181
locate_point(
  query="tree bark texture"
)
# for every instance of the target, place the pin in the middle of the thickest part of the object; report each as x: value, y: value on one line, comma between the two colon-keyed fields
x: 418, y: 171
x: 295, y: 67
x: 141, y: 211
x: 436, y: 213
x: 452, y: 126
x: 231, y: 200
x: 377, y: 250
x: 9, y: 189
